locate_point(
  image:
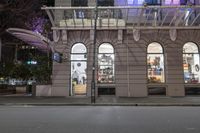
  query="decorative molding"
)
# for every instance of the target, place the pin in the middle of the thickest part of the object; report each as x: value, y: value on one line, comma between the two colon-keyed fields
x: 120, y: 36
x: 92, y: 35
x: 56, y: 35
x: 136, y: 34
x: 64, y: 36
x: 173, y: 34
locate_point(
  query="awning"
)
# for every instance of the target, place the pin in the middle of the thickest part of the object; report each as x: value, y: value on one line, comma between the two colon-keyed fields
x: 125, y: 17
x: 31, y: 38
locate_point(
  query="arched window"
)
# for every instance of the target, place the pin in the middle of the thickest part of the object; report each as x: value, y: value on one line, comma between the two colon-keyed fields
x: 191, y: 63
x: 155, y: 63
x: 106, y: 63
x: 79, y: 48
x: 78, y: 69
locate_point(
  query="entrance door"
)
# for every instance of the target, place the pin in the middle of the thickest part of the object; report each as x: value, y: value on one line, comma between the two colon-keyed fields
x: 78, y: 70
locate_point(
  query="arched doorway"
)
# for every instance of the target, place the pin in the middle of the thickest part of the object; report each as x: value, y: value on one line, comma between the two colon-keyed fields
x: 78, y: 69
x: 191, y: 63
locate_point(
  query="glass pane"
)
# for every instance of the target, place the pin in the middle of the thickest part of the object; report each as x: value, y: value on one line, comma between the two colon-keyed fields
x: 172, y: 2
x: 106, y: 68
x: 190, y: 48
x: 154, y: 48
x: 79, y: 2
x: 78, y: 78
x: 155, y: 64
x: 105, y: 2
x: 191, y: 68
x: 106, y: 59
x: 106, y: 74
x: 79, y: 48
x: 106, y: 48
x: 78, y: 57
x: 135, y: 2
x: 153, y: 2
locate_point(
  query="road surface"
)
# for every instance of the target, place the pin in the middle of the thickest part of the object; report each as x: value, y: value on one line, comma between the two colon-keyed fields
x: 99, y: 119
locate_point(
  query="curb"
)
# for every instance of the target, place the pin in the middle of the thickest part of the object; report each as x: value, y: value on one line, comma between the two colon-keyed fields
x: 99, y: 104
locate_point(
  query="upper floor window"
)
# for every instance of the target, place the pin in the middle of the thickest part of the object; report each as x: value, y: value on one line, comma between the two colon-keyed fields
x: 185, y: 2
x: 153, y: 2
x: 105, y: 2
x: 106, y: 63
x: 172, y: 2
x: 191, y: 63
x: 79, y: 2
x: 135, y: 2
x: 78, y: 52
x: 155, y: 63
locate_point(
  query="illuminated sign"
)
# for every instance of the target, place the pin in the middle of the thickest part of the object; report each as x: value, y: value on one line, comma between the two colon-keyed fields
x: 31, y: 62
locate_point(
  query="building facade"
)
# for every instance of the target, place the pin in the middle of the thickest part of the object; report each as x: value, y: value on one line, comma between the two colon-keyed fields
x: 142, y: 49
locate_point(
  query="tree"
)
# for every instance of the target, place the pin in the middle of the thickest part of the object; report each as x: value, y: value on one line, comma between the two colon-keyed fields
x: 20, y: 71
x: 17, y: 13
x: 13, y: 13
x: 41, y: 71
x: 25, y: 14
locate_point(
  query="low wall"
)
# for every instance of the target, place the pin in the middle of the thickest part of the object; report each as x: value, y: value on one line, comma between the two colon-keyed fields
x: 20, y: 89
x: 43, y: 90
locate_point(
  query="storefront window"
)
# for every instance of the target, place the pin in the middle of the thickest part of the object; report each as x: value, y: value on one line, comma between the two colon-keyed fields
x: 191, y: 63
x: 106, y: 63
x: 78, y: 69
x: 155, y: 63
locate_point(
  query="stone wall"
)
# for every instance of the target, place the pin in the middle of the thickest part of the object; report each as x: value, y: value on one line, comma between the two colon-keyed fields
x: 130, y: 60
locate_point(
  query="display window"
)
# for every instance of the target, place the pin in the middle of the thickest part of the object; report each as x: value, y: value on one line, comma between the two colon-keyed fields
x: 191, y: 63
x: 155, y: 63
x: 106, y: 63
x: 78, y: 69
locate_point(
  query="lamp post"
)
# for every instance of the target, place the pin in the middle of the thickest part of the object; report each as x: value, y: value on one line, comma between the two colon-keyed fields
x: 93, y: 84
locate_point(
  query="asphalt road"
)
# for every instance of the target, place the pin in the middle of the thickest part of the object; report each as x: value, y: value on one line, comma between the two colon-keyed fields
x: 99, y: 119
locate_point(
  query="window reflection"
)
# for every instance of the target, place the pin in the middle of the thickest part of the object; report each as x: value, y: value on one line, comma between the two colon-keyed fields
x: 155, y: 63
x: 106, y: 64
x: 191, y: 63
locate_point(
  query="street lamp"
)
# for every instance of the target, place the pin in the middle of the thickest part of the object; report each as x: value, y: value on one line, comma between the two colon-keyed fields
x: 93, y: 85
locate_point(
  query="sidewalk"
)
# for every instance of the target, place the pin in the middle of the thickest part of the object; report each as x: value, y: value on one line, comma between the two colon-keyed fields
x: 100, y: 101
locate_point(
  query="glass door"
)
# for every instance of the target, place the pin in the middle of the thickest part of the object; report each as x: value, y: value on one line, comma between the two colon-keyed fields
x: 78, y: 70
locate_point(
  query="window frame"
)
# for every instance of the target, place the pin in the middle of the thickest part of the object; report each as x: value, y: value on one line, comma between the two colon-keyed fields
x: 71, y: 93
x: 164, y: 67
x: 113, y: 65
